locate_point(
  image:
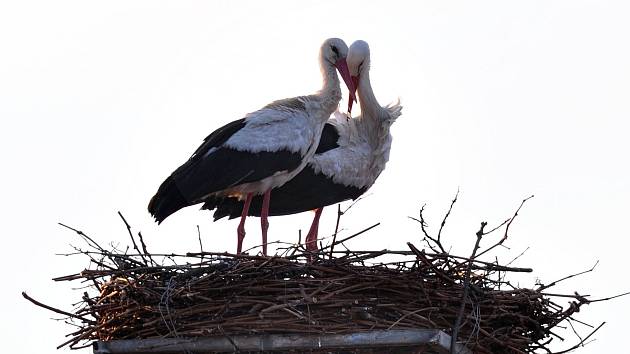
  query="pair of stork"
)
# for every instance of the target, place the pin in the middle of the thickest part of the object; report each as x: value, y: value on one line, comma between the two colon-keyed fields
x: 292, y: 155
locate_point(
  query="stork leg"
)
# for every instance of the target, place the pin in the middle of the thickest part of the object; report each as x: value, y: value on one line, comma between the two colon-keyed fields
x: 264, y: 224
x: 240, y: 231
x: 311, y: 237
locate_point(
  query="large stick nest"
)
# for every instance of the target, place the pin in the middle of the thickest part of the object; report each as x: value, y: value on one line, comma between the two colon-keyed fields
x: 230, y: 295
x: 218, y: 294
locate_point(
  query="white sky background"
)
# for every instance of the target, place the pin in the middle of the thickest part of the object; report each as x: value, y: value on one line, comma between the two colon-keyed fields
x: 101, y: 101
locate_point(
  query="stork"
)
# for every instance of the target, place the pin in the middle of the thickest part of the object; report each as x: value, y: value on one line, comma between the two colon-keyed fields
x: 352, y: 153
x: 253, y: 155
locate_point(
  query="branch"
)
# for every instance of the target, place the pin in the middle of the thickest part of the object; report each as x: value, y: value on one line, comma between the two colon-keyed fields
x: 35, y: 302
x: 507, y: 228
x: 144, y: 249
x: 582, y: 341
x: 200, y: 244
x: 460, y: 314
x: 610, y: 297
x: 339, y: 214
x: 87, y: 238
x: 446, y: 216
x: 350, y: 237
x: 543, y: 287
x: 517, y: 257
x: 133, y: 240
x: 423, y: 226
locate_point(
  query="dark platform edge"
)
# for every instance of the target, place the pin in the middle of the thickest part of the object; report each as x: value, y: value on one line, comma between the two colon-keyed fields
x: 428, y: 339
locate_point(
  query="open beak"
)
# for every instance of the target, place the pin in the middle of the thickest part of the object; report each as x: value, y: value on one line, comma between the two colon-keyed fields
x: 355, y: 83
x: 342, y: 67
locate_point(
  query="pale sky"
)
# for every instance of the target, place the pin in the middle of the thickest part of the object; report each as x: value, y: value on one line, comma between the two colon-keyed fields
x: 100, y: 101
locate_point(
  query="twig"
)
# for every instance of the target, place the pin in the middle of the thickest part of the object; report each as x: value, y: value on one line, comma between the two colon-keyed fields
x: 144, y: 249
x: 460, y: 313
x: 507, y: 228
x: 423, y: 226
x: 89, y: 240
x: 354, y: 202
x: 133, y: 241
x: 339, y: 214
x: 609, y: 298
x: 582, y: 341
x: 517, y: 257
x: 543, y: 287
x: 351, y: 236
x: 200, y: 243
x: 446, y: 216
x: 573, y: 329
x: 35, y: 302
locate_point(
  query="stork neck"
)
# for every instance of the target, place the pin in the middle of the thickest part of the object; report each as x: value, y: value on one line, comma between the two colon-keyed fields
x: 372, y: 114
x: 369, y: 105
x: 331, y: 91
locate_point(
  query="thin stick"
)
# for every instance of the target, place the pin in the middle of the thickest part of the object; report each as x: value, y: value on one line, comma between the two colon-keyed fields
x: 339, y: 214
x: 446, y: 216
x: 517, y: 257
x: 200, y: 243
x: 543, y: 287
x: 133, y: 241
x: 144, y: 249
x: 460, y: 314
x: 609, y: 298
x: 582, y: 341
x: 351, y: 236
x: 507, y: 228
x: 90, y: 241
x: 56, y: 310
x: 423, y: 226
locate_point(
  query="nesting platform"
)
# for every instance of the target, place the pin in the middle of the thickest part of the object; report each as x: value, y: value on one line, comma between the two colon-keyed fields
x: 425, y: 341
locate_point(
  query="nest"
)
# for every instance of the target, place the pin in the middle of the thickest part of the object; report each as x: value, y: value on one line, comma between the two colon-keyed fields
x: 206, y: 294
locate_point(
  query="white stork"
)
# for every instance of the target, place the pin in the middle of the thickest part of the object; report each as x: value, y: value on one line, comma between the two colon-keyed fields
x: 253, y: 155
x: 350, y: 156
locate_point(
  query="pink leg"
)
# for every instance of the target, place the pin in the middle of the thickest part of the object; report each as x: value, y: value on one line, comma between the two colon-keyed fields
x: 311, y: 237
x: 240, y: 231
x: 264, y: 224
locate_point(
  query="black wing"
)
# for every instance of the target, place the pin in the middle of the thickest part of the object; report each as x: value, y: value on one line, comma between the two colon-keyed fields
x: 295, y: 192
x: 218, y: 137
x: 224, y: 167
x: 306, y: 191
x: 329, y: 139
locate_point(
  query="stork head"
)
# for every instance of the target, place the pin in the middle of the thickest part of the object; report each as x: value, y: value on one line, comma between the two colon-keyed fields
x: 335, y: 51
x: 358, y: 64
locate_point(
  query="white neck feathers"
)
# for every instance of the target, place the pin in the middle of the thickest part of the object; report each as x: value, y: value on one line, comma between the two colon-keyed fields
x: 331, y: 90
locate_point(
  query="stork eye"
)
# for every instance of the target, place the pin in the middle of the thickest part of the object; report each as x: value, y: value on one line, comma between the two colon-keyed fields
x: 335, y: 50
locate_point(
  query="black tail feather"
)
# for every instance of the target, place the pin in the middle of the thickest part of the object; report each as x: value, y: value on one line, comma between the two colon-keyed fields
x: 225, y: 206
x: 166, y: 201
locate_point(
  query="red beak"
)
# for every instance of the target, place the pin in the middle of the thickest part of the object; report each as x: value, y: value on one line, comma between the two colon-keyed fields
x: 342, y: 67
x: 355, y: 83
